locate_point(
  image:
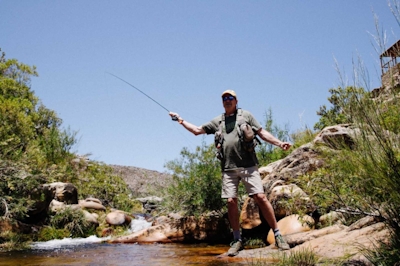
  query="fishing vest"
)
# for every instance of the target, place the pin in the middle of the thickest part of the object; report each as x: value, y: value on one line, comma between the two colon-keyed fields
x: 247, y: 136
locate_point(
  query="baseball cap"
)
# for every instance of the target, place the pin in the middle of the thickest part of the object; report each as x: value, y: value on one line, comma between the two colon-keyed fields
x: 231, y: 92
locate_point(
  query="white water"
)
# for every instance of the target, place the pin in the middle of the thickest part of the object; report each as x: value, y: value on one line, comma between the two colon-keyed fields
x: 136, y: 225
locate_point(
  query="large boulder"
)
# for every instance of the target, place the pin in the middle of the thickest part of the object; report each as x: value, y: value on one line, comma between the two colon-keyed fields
x: 44, y: 194
x: 64, y: 192
x: 337, y: 136
x: 302, y: 160
x: 41, y: 198
x: 292, y: 224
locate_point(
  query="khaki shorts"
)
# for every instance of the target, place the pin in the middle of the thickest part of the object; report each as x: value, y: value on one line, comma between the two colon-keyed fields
x: 250, y: 177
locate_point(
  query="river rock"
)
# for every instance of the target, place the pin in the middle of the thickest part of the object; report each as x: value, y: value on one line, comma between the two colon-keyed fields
x: 118, y: 218
x: 107, y: 232
x: 91, y: 205
x: 93, y: 200
x: 64, y: 192
x: 90, y: 217
x: 56, y: 206
x: 150, y: 203
x: 331, y: 218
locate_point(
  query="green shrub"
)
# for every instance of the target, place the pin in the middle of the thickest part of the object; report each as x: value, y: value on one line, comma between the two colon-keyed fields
x: 196, y: 184
x: 73, y: 221
x: 49, y: 233
x: 13, y: 241
x: 303, y: 257
x: 98, y: 181
x: 16, y: 186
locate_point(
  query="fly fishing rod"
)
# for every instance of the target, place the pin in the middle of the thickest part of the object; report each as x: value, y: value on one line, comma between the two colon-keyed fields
x: 173, y: 118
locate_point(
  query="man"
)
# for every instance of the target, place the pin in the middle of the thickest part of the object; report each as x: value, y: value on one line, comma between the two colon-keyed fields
x: 239, y: 164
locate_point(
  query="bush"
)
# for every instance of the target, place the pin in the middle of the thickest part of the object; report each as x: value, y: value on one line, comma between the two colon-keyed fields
x: 16, y: 186
x: 66, y: 223
x: 98, y: 181
x: 303, y: 257
x: 196, y: 184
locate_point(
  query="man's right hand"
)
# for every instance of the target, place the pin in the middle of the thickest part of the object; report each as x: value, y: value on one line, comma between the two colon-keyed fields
x: 174, y: 116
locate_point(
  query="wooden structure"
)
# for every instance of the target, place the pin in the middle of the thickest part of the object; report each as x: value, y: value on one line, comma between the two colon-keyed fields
x: 390, y: 66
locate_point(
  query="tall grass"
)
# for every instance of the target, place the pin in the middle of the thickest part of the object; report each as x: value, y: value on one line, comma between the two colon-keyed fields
x: 365, y: 179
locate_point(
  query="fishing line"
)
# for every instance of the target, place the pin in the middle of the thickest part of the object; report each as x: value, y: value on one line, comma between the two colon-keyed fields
x: 173, y: 118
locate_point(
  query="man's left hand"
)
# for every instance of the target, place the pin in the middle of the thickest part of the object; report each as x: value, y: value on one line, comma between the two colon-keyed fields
x: 285, y: 146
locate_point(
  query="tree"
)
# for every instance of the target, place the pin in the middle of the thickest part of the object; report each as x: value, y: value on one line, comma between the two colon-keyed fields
x: 266, y: 152
x: 343, y: 100
x: 27, y: 128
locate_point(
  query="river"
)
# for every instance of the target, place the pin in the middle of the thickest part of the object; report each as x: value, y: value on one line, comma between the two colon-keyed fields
x: 96, y: 251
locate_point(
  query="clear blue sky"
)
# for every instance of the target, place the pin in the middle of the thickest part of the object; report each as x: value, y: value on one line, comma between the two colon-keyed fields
x: 274, y: 54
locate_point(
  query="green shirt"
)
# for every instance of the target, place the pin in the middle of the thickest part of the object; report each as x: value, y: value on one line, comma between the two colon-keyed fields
x: 234, y: 154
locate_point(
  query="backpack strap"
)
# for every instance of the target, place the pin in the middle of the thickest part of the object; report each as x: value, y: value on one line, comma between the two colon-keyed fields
x: 219, y: 138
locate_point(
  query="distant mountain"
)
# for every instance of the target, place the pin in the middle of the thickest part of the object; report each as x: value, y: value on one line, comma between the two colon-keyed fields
x: 141, y: 181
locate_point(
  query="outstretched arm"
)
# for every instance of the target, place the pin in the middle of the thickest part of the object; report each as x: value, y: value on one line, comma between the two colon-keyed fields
x: 190, y: 127
x: 268, y: 137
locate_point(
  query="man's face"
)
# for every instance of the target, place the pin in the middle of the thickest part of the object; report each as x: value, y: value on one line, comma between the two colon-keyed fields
x: 229, y: 102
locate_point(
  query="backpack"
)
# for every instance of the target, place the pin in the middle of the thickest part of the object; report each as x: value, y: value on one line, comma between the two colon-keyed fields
x: 246, y: 133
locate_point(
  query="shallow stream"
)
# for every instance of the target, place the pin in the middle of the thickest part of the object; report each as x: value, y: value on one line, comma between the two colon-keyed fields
x: 96, y: 251
x: 122, y: 254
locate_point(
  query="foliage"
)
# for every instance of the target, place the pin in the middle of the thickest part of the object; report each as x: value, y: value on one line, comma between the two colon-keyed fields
x: 68, y: 223
x: 13, y: 241
x: 365, y: 179
x: 28, y: 129
x: 35, y: 150
x: 49, y: 233
x: 387, y: 253
x: 266, y: 152
x: 196, y: 185
x: 100, y: 182
x: 15, y: 181
x: 302, y: 257
x: 343, y: 100
x: 301, y: 137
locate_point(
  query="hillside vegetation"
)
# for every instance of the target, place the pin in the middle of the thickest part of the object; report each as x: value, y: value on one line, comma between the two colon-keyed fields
x: 35, y: 150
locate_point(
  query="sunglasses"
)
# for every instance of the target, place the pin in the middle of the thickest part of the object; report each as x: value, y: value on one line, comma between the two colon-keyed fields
x: 226, y: 98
